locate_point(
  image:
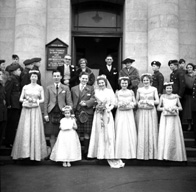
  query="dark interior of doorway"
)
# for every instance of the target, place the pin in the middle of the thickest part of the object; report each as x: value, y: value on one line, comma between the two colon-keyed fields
x: 95, y: 50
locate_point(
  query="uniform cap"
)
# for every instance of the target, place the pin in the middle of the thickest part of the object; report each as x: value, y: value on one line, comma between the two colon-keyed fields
x: 14, y: 67
x: 175, y: 62
x: 36, y: 59
x: 28, y: 62
x: 157, y: 63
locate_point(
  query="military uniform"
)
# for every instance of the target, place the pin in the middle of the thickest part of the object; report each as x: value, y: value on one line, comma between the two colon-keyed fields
x: 177, y: 77
x: 13, y: 91
x: 157, y: 81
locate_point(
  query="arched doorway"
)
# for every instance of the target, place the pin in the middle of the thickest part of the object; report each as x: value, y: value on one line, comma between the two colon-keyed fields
x: 97, y: 31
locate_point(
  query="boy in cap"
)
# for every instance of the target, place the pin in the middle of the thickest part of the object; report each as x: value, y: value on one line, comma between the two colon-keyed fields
x: 25, y: 77
x: 13, y: 91
x: 131, y: 72
x: 177, y: 77
x: 157, y: 78
x: 36, y: 65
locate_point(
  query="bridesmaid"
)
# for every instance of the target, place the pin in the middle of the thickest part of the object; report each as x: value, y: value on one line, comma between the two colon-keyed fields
x: 147, y: 97
x: 126, y: 136
x: 170, y: 141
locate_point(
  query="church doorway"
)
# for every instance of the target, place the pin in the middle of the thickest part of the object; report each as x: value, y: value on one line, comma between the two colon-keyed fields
x: 97, y: 32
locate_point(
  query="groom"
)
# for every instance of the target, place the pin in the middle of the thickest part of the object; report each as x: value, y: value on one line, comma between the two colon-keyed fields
x: 83, y: 102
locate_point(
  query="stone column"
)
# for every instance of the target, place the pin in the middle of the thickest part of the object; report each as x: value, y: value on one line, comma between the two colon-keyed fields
x: 163, y: 33
x: 135, y: 37
x: 30, y: 30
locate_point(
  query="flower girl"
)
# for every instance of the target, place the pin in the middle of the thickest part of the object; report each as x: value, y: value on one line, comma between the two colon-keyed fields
x: 67, y: 147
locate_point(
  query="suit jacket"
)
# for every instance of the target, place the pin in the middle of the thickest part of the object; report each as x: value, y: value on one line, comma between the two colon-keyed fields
x: 13, y: 91
x: 111, y: 75
x: 87, y: 95
x: 73, y: 76
x: 177, y: 77
x: 133, y: 75
x: 64, y: 97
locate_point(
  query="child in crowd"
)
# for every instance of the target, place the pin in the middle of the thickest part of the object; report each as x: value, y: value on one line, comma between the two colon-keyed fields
x: 170, y: 140
x: 67, y: 147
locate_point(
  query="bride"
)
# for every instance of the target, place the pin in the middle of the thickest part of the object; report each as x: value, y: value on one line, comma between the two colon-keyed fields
x: 102, y: 139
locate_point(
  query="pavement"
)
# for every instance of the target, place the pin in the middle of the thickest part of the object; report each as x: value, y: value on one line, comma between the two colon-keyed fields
x: 96, y: 176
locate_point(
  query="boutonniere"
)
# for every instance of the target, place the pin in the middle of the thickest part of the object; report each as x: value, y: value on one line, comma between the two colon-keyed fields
x: 115, y: 73
x: 88, y: 94
x: 63, y: 91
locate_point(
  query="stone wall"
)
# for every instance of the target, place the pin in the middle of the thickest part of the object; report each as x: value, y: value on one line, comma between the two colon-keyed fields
x: 135, y: 37
x: 7, y: 29
x: 187, y: 28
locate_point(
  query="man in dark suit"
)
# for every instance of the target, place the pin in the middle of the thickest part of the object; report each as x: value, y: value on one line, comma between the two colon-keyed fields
x: 130, y: 72
x: 68, y: 72
x: 57, y: 96
x: 83, y: 103
x: 110, y: 72
x: 177, y: 76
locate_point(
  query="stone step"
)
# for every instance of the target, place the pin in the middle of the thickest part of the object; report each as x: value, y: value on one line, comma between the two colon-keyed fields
x: 128, y: 162
x: 191, y: 152
x: 188, y: 134
x: 189, y: 142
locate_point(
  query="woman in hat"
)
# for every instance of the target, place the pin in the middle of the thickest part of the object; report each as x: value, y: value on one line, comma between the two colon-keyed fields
x: 83, y: 68
x: 102, y: 141
x: 30, y: 138
x: 126, y: 135
x: 147, y: 97
x: 188, y: 94
x: 170, y: 141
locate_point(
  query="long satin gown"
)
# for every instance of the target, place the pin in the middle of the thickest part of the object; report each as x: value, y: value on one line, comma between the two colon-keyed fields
x: 30, y: 138
x: 147, y: 127
x: 171, y: 141
x: 125, y: 127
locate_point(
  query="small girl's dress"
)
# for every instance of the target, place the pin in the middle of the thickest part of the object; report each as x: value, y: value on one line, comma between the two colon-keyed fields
x: 67, y: 146
x: 170, y: 141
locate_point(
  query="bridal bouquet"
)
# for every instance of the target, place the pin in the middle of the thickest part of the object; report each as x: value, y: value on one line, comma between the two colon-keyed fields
x: 30, y: 102
x: 101, y: 107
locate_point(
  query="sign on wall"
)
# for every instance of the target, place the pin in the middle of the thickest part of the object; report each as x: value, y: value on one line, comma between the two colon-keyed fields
x: 56, y: 51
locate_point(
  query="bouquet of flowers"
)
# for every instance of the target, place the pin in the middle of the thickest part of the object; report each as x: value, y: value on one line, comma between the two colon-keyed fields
x: 146, y: 104
x: 30, y: 102
x: 125, y: 105
x: 170, y: 111
x: 100, y: 107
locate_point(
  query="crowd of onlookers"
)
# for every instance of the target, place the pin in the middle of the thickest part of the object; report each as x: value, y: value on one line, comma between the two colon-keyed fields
x: 111, y: 115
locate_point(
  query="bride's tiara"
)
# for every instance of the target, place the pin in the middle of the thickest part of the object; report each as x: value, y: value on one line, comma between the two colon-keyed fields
x: 33, y: 71
x: 101, y: 77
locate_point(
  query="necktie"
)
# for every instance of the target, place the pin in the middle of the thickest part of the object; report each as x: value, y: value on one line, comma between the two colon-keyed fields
x: 57, y: 89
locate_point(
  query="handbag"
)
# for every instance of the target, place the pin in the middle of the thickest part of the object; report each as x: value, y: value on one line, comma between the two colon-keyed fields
x: 83, y: 116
